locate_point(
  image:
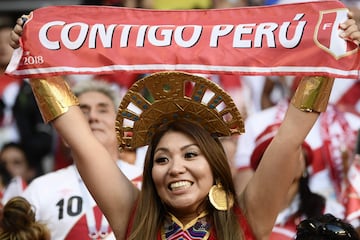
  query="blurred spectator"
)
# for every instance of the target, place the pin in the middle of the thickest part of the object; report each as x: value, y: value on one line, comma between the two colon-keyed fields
x: 119, y: 82
x: 10, y: 186
x: 20, y: 118
x: 6, y: 132
x: 301, y: 202
x: 18, y: 222
x: 13, y: 156
x: 67, y: 206
x: 29, y: 129
x: 6, y: 25
x: 332, y: 140
x: 275, y: 89
x: 352, y: 192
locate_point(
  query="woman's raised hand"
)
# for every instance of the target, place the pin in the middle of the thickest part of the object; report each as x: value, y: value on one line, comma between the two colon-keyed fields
x: 17, y: 31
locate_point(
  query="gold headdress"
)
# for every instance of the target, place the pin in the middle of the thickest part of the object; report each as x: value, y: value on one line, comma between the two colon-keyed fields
x: 161, y: 97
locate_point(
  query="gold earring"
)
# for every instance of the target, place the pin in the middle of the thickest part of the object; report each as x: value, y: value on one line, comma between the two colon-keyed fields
x: 219, y: 199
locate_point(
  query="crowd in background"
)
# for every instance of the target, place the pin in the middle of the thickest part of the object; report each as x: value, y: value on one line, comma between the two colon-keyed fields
x: 29, y: 148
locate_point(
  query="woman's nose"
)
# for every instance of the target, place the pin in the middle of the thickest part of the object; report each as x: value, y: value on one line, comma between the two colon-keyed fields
x: 177, y: 166
x: 92, y: 116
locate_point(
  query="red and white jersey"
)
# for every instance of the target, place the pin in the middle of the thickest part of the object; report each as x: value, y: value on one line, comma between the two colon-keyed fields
x: 61, y: 201
x: 256, y: 123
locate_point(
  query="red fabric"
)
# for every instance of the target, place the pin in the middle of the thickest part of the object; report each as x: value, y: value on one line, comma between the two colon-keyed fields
x: 60, y: 40
x: 319, y: 162
x: 349, y: 99
x: 6, y: 80
x: 230, y: 81
x: 24, y: 184
x: 263, y: 141
x: 245, y: 226
x: 248, y: 234
x: 124, y: 79
x: 80, y: 229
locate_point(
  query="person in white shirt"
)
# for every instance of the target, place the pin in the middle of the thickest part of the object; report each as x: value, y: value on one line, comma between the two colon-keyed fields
x: 60, y: 198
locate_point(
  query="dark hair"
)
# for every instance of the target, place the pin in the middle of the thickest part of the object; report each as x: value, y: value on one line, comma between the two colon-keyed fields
x: 151, y: 213
x: 311, y: 204
x: 18, y: 146
x: 325, y: 227
x: 5, y: 176
x: 18, y: 222
x: 12, y: 144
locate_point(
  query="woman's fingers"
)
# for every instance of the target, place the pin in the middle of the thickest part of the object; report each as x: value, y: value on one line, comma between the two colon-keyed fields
x: 17, y: 31
x: 350, y: 30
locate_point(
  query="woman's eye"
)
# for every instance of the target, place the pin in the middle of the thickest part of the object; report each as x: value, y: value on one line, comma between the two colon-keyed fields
x: 103, y: 110
x: 161, y: 160
x: 190, y: 155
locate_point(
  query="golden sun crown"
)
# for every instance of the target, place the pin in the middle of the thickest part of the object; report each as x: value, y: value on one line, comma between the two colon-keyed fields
x: 168, y: 96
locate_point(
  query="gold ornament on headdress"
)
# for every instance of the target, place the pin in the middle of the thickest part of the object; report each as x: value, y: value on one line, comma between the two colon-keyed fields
x: 161, y: 97
x: 219, y: 199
